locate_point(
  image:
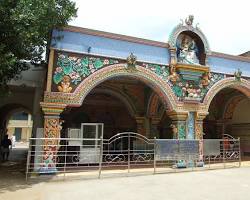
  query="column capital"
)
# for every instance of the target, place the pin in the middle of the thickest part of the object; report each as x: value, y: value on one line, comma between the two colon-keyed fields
x: 54, y: 109
x: 139, y: 120
x: 201, y: 115
x: 177, y: 116
x: 155, y: 120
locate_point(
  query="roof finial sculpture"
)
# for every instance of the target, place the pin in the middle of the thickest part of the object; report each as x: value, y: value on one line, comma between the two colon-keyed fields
x: 131, y: 62
x: 237, y: 75
x: 189, y: 20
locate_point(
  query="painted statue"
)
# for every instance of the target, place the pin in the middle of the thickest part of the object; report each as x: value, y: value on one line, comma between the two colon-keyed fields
x: 65, y: 85
x: 174, y: 131
x: 205, y: 79
x: 173, y: 77
x: 237, y: 75
x: 189, y: 20
x: 187, y: 51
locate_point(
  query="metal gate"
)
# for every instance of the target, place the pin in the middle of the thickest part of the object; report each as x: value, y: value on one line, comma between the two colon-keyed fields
x: 130, y: 152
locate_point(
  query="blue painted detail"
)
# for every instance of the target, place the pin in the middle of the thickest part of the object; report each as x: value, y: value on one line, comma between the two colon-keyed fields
x: 47, y: 170
x: 189, y: 75
x: 228, y: 66
x: 83, y: 43
x: 181, y: 164
x: 190, y: 134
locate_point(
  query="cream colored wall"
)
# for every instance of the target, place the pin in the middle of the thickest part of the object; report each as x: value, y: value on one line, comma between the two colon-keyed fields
x: 242, y: 112
x: 241, y: 124
x: 26, y: 126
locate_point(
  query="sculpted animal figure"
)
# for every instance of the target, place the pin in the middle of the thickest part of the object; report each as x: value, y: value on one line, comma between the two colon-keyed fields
x: 189, y: 20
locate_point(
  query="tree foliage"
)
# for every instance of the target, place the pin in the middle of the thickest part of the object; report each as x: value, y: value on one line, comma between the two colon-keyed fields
x: 25, y: 29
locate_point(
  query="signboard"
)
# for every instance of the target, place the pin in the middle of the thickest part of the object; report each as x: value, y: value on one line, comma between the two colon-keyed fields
x: 188, y: 147
x: 211, y: 147
x: 166, y: 149
x: 89, y: 155
x: 177, y: 149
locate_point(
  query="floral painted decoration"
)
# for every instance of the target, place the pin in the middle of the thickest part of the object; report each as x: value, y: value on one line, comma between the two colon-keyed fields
x: 78, y: 68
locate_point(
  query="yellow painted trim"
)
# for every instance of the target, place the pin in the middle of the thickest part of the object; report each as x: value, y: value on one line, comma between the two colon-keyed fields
x: 198, y: 68
x: 50, y: 70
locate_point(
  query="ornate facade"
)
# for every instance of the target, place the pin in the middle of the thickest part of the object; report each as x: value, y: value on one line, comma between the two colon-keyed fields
x: 166, y: 88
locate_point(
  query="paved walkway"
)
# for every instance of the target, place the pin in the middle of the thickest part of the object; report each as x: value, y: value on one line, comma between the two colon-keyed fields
x: 225, y: 184
x: 12, y: 172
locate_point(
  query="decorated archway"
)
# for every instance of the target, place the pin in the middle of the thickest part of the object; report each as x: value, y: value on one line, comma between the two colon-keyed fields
x: 227, y: 105
x: 150, y: 78
x: 241, y: 85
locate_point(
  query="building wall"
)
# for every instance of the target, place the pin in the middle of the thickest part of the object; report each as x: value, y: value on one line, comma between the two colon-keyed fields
x: 25, y: 125
x: 241, y: 124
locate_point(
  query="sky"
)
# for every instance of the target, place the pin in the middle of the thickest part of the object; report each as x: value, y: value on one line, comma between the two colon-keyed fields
x: 225, y: 23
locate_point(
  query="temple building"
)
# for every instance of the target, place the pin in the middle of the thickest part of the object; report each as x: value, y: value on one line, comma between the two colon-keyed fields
x: 178, y: 89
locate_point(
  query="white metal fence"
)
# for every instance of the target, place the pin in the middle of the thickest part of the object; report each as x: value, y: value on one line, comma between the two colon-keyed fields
x: 128, y: 153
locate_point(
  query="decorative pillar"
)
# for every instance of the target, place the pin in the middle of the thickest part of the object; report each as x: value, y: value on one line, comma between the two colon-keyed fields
x: 220, y: 128
x: 154, y: 131
x: 178, y: 125
x: 37, y: 114
x: 52, y: 128
x: 50, y: 70
x: 140, y: 125
x: 200, y: 116
x: 191, y: 126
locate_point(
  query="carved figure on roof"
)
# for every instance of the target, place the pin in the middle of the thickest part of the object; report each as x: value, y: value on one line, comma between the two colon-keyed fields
x: 189, y: 20
x: 131, y: 62
x: 237, y: 75
x: 187, y: 51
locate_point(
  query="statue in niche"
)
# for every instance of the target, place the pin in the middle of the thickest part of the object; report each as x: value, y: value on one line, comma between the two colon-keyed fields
x: 187, y: 51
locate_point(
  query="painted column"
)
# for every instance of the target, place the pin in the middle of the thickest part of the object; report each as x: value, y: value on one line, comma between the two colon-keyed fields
x: 191, y: 126
x: 154, y: 131
x: 52, y: 128
x: 179, y: 121
x: 37, y: 113
x: 199, y: 124
x: 200, y: 116
x: 140, y: 125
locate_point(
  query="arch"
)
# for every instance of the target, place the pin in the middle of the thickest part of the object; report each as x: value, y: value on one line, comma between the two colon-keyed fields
x: 152, y: 105
x: 119, y: 95
x: 6, y: 111
x: 182, y: 28
x: 243, y: 86
x: 231, y: 105
x: 159, y: 85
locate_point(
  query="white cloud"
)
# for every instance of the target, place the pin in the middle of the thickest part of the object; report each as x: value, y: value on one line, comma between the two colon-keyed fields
x: 225, y: 23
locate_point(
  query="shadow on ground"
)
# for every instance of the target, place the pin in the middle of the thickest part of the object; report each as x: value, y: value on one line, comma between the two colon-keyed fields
x: 13, y: 172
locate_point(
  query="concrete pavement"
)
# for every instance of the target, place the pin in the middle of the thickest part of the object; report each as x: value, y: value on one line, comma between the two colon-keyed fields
x: 225, y: 184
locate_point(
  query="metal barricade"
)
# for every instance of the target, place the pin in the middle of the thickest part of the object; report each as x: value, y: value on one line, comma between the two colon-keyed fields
x: 127, y: 152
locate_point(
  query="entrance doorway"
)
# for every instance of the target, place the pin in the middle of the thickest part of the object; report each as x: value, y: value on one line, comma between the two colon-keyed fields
x: 122, y: 104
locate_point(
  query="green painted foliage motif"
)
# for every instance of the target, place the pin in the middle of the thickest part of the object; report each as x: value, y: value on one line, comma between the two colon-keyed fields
x: 181, y: 130
x: 192, y: 89
x: 161, y: 70
x: 77, y: 68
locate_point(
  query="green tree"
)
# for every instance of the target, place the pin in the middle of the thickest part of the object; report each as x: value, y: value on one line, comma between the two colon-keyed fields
x: 25, y: 30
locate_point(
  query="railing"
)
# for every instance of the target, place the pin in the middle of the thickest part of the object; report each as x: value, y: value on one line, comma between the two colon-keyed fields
x: 128, y: 153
